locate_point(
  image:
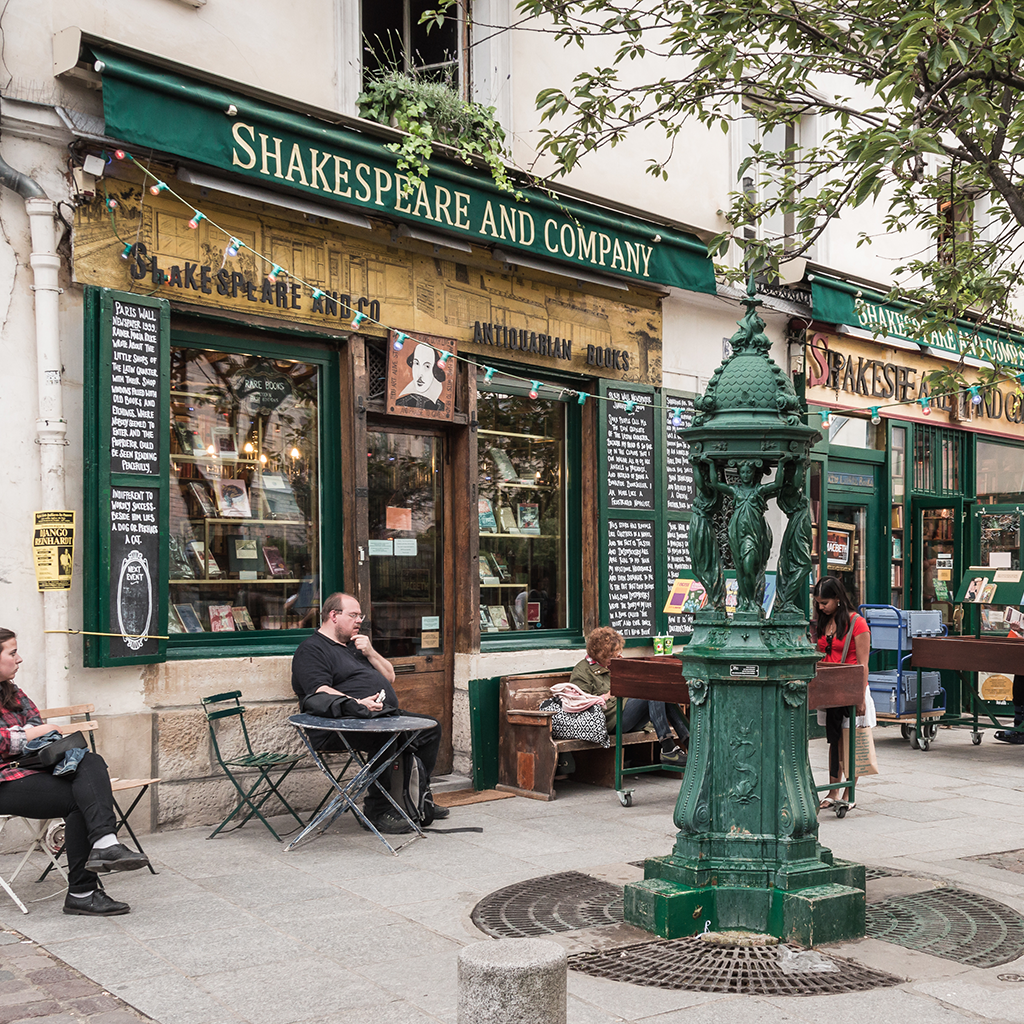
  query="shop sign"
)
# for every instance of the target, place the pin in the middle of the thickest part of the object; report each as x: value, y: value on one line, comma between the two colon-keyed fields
x: 53, y: 549
x: 851, y: 479
x: 421, y: 377
x: 261, y: 390
x: 848, y: 373
x: 834, y: 304
x: 149, y: 107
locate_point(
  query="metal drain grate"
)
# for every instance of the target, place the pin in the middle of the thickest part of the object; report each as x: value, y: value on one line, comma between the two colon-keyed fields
x: 751, y: 970
x: 544, y: 906
x: 950, y: 923
x: 870, y: 873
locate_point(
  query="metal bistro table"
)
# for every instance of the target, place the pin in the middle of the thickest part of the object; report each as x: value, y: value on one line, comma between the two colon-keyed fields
x: 370, y: 767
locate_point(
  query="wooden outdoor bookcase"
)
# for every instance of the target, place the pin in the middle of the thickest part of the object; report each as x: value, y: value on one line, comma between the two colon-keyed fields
x: 645, y: 503
x: 128, y: 520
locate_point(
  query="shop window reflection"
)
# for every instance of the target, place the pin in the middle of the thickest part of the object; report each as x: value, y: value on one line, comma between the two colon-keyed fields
x: 244, y: 493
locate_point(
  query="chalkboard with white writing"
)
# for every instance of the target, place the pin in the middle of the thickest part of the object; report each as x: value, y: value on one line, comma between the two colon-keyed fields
x: 631, y: 578
x: 679, y: 565
x: 136, y: 342
x: 126, y: 406
x: 134, y: 570
x: 629, y: 447
x: 679, y: 495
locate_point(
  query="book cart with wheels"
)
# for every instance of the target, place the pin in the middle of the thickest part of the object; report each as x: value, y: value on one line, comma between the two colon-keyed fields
x: 991, y: 655
x: 905, y: 695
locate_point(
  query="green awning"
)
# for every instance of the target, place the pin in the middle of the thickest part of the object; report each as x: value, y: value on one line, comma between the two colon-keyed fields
x: 838, y: 302
x: 150, y: 107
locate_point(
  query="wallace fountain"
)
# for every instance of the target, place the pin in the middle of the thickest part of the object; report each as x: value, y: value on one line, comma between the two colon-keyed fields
x: 747, y: 855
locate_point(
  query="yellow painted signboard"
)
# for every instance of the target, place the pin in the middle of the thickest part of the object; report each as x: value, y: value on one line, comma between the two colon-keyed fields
x: 53, y: 549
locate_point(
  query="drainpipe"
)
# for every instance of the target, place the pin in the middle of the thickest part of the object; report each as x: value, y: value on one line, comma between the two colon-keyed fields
x: 51, y: 427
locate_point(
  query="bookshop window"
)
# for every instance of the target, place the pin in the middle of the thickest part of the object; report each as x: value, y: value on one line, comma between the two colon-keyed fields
x: 522, y: 511
x: 244, y: 493
x: 1000, y: 473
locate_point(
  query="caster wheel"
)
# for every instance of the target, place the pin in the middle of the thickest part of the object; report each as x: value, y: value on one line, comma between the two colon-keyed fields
x: 976, y: 738
x: 905, y: 729
x: 841, y: 811
x: 931, y: 730
x: 914, y: 741
x: 626, y: 798
x: 924, y: 742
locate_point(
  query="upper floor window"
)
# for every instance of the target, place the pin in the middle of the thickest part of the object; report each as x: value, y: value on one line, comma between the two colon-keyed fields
x: 758, y: 178
x: 394, y: 39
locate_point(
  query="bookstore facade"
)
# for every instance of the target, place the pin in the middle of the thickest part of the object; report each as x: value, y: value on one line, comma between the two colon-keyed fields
x: 912, y: 488
x: 286, y: 398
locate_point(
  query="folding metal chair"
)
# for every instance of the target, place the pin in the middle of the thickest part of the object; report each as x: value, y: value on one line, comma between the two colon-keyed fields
x: 38, y: 840
x: 265, y: 764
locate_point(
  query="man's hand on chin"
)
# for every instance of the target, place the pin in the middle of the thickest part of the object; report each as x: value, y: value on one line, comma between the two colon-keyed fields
x: 362, y: 642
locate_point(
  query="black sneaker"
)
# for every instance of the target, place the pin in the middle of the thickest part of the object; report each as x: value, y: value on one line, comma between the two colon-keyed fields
x: 391, y: 824
x: 96, y: 904
x: 1009, y: 737
x: 440, y: 813
x: 674, y: 756
x: 115, y: 858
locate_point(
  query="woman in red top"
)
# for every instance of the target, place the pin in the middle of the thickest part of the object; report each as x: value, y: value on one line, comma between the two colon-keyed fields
x: 834, y: 620
x: 83, y: 799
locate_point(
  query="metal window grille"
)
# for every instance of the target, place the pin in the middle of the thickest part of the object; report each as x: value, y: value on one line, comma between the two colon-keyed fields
x: 939, y: 460
x: 376, y: 370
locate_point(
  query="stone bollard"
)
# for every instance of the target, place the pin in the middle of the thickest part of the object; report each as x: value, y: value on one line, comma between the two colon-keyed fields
x: 512, y: 981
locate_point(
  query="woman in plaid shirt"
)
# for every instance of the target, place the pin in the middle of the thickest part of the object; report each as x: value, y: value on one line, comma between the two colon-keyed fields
x: 83, y: 799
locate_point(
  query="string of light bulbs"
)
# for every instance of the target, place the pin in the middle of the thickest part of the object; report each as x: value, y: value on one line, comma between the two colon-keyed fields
x: 236, y: 245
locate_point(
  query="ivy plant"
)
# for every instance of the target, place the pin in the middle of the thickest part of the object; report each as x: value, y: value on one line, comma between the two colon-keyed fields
x: 431, y: 112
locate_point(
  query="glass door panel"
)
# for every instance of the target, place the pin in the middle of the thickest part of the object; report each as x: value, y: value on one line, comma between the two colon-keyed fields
x: 405, y: 542
x: 937, y: 535
x: 847, y: 548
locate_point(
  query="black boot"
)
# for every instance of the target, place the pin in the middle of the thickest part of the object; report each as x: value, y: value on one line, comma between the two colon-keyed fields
x: 1018, y: 719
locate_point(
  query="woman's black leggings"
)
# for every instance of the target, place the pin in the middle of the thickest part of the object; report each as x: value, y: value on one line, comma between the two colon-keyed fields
x: 85, y: 802
x: 834, y: 734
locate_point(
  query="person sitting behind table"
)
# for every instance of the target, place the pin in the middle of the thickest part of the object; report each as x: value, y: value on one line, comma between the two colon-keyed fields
x: 83, y: 799
x: 593, y: 675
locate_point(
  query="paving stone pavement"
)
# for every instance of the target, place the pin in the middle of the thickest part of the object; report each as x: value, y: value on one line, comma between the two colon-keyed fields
x: 237, y: 931
x: 37, y: 987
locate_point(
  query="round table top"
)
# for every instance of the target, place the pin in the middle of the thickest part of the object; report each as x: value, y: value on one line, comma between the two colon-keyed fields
x: 387, y: 723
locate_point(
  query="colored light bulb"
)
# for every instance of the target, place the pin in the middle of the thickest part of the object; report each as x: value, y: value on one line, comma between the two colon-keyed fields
x: 925, y: 407
x: 677, y: 417
x: 534, y: 388
x: 111, y: 204
x: 120, y: 154
x: 232, y: 247
x: 630, y: 405
x: 443, y: 358
x: 196, y: 218
x: 975, y: 394
x: 582, y: 398
x: 358, y: 319
x: 158, y: 188
x: 317, y: 294
x: 489, y: 375
x: 272, y: 276
x: 875, y: 418
x: 400, y: 340
x: 126, y: 251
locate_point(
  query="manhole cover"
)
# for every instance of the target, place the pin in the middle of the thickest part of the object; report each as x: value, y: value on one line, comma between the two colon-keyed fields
x: 752, y: 970
x: 950, y: 923
x: 543, y: 906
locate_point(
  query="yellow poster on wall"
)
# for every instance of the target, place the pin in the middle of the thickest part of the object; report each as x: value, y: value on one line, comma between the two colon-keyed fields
x: 53, y: 549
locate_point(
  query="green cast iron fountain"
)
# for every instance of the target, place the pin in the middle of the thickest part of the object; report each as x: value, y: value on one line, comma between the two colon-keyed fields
x: 747, y: 854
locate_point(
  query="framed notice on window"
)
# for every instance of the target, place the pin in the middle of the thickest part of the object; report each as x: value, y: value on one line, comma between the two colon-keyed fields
x: 839, y: 546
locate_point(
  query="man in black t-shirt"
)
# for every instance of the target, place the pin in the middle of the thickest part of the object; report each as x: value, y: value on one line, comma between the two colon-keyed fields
x: 339, y: 659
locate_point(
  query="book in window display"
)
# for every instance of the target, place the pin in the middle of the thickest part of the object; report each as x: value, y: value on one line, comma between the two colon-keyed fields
x: 204, y: 560
x: 178, y: 562
x: 223, y: 440
x: 485, y: 514
x: 232, y: 499
x: 503, y: 465
x: 529, y: 518
x: 188, y: 618
x: 499, y: 616
x: 501, y: 565
x: 242, y: 618
x: 275, y: 563
x: 486, y: 626
x: 507, y: 520
x: 221, y: 619
x: 202, y: 498
x: 188, y: 441
x: 243, y: 554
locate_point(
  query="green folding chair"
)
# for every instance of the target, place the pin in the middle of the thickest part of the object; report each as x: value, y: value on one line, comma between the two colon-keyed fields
x: 270, y: 768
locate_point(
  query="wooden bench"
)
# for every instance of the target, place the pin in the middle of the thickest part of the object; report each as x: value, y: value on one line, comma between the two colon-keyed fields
x: 528, y: 753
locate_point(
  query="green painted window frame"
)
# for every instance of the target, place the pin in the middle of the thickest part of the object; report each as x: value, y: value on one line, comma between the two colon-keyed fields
x: 572, y: 635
